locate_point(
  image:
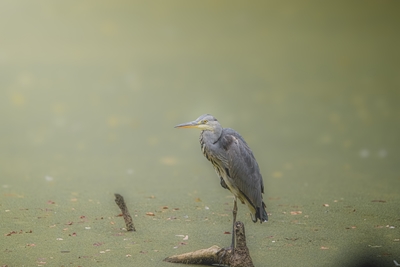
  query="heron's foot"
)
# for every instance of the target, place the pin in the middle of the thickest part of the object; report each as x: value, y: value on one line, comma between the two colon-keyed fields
x: 223, y: 254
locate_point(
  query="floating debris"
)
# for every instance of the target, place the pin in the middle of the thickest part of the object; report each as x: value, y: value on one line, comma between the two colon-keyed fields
x: 374, y: 246
x: 296, y: 212
x: 292, y: 238
x: 41, y: 262
x: 379, y: 200
x: 11, y: 233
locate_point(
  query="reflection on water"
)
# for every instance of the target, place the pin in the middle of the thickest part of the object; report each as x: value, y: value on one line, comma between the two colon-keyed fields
x: 91, y: 92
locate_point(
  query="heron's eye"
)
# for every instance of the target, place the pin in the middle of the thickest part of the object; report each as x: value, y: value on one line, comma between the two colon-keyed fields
x: 204, y: 121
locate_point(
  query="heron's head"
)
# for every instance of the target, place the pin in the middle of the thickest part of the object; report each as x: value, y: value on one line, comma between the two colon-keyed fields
x: 205, y: 122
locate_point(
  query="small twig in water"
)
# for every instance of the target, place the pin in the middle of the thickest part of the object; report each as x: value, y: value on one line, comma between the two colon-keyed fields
x: 127, y: 217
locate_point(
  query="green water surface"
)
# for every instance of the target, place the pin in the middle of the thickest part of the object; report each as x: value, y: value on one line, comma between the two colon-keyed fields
x: 90, y: 92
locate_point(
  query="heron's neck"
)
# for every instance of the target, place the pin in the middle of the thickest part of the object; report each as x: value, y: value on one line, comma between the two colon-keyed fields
x: 212, y: 136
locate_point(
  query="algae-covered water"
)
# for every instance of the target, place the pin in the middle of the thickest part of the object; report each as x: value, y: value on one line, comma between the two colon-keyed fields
x: 90, y: 93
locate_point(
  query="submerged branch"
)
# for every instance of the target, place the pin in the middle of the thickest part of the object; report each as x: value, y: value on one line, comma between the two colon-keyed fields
x: 206, y: 256
x: 215, y: 255
x: 125, y: 213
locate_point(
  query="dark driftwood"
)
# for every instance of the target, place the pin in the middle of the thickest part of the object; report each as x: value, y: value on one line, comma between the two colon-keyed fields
x: 215, y: 255
x: 125, y: 213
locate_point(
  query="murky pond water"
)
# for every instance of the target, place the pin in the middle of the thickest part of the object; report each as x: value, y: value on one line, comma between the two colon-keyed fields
x: 90, y: 93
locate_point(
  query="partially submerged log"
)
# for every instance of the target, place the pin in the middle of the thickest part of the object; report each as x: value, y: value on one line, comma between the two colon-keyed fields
x: 125, y: 213
x: 206, y: 256
x: 240, y: 257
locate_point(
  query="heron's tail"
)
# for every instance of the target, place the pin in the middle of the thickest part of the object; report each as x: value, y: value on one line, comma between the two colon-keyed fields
x: 264, y: 217
x: 261, y: 214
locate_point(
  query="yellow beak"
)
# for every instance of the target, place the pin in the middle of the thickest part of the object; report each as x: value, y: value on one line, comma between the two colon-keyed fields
x: 192, y: 124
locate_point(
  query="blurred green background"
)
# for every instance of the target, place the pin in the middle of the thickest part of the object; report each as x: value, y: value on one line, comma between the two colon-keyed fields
x: 90, y: 92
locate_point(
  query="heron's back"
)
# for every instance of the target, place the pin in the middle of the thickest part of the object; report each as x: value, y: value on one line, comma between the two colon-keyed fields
x: 238, y: 169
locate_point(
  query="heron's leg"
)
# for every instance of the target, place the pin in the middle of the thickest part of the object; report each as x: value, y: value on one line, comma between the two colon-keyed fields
x: 234, y: 212
x: 222, y: 251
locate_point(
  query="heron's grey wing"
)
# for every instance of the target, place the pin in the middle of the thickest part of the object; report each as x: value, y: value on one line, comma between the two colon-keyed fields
x: 242, y: 167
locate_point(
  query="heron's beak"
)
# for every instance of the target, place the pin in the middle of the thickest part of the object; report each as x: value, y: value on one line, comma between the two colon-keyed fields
x: 192, y: 124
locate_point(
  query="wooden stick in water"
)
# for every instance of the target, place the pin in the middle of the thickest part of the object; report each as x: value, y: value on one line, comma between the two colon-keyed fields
x: 239, y: 257
x: 127, y: 217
